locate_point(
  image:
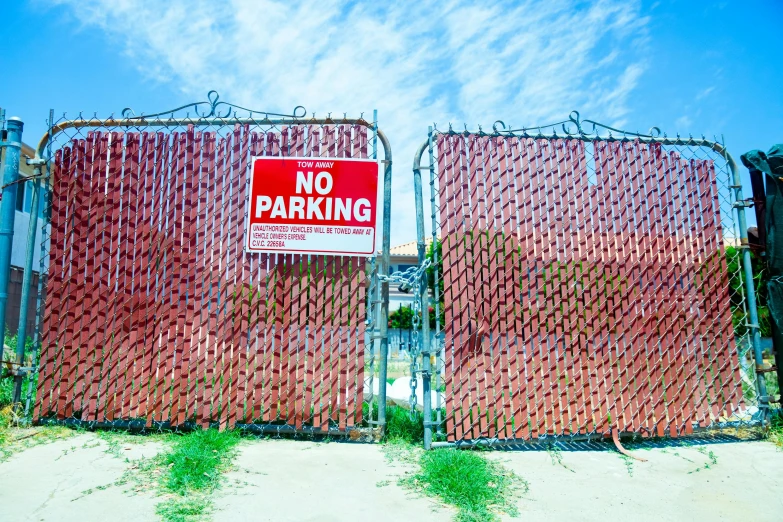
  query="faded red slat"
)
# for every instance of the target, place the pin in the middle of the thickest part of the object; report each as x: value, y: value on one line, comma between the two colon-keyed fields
x: 238, y: 328
x: 124, y: 292
x: 55, y: 283
x: 496, y: 304
x: 112, y: 369
x: 272, y: 337
x: 320, y: 283
x: 197, y: 298
x: 282, y: 285
x: 108, y: 371
x: 328, y: 364
x: 189, y: 267
x: 130, y: 307
x: 445, y: 182
x: 76, y: 278
x: 290, y: 291
x: 83, y: 299
x: 294, y: 341
x: 344, y: 340
x: 351, y: 330
x: 361, y: 331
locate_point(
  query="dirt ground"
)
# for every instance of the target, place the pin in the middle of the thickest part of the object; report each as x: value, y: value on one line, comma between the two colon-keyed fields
x: 76, y: 479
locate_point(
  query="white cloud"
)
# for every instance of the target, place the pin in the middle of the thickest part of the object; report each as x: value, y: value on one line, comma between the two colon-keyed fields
x: 417, y: 62
x: 704, y: 93
x: 683, y: 122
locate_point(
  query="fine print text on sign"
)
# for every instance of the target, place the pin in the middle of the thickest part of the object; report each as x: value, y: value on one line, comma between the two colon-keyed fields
x: 312, y: 205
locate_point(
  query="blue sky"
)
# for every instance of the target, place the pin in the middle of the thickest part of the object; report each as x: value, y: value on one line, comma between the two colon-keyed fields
x: 689, y: 67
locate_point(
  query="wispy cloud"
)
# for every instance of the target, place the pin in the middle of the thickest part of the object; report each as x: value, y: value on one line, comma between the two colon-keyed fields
x: 417, y: 62
x: 704, y: 93
x: 683, y: 122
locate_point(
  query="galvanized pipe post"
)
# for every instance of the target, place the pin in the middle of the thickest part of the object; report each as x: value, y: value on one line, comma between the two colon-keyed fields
x: 435, y: 280
x: 21, y: 337
x: 10, y: 169
x: 384, y: 269
x: 426, y: 371
x: 44, y: 180
x: 755, y: 330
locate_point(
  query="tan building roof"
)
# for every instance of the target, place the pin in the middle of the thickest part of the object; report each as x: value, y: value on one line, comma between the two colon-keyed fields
x: 408, y: 249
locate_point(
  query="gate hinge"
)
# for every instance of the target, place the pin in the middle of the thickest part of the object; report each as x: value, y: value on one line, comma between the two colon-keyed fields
x: 743, y: 203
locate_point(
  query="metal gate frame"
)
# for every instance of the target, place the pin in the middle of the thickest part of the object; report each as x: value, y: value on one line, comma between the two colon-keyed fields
x: 586, y: 131
x: 208, y: 114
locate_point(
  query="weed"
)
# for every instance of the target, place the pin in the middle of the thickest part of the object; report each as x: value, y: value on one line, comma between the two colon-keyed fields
x: 775, y: 432
x: 5, y: 426
x: 185, y: 474
x: 402, y: 452
x: 677, y: 454
x: 117, y: 441
x: 7, y: 381
x: 197, y: 460
x: 713, y: 459
x: 14, y: 439
x: 628, y: 461
x: 382, y: 483
x: 557, y: 456
x: 183, y: 509
x: 478, y: 487
x: 194, y: 467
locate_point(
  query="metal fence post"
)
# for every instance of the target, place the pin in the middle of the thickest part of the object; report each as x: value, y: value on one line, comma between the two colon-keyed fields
x: 435, y: 288
x: 13, y: 147
x: 21, y: 337
x: 384, y: 269
x: 426, y: 368
x: 755, y: 335
x: 44, y: 180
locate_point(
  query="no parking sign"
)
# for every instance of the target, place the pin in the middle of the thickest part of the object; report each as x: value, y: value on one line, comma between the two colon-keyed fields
x: 312, y: 205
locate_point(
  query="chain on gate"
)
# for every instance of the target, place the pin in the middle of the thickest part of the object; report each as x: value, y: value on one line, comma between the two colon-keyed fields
x: 412, y: 278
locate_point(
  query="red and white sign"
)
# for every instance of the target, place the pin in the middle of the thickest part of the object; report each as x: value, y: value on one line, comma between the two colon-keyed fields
x: 312, y: 205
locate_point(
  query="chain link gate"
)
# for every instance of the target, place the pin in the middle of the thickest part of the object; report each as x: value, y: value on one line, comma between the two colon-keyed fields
x: 154, y: 316
x: 591, y: 285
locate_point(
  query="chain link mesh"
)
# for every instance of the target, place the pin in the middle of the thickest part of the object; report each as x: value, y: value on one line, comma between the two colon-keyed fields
x: 589, y: 282
x: 151, y: 313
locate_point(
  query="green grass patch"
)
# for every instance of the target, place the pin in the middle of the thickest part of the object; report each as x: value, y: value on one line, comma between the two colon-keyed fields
x: 184, y: 509
x: 480, y: 489
x: 197, y: 460
x: 775, y: 433
x: 193, y: 470
x: 14, y: 438
x: 184, y: 474
x: 401, y: 426
x: 5, y: 426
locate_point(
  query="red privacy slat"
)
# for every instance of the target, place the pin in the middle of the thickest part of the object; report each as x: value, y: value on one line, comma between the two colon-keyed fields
x: 602, y: 278
x: 154, y: 311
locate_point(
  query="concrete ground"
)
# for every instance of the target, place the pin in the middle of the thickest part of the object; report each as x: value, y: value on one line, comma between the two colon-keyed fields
x: 64, y: 481
x: 281, y: 480
x: 676, y: 483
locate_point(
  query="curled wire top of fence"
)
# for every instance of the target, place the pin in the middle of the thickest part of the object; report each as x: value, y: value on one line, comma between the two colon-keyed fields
x: 213, y: 103
x: 586, y: 129
x: 213, y: 112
